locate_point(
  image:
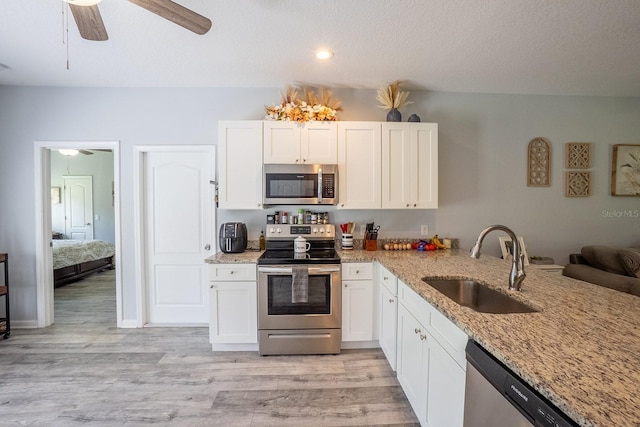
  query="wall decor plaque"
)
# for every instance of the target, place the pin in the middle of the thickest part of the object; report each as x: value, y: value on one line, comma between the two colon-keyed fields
x: 577, y: 184
x: 577, y: 155
x: 539, y: 163
x: 625, y: 170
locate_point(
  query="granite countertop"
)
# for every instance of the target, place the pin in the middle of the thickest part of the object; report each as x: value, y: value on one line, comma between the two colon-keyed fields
x: 581, y: 351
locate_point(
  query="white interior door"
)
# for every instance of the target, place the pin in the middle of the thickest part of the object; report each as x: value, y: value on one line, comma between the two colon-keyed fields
x: 78, y: 207
x: 178, y: 200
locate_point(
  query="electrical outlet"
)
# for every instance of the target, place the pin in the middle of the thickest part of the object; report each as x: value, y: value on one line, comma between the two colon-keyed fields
x: 424, y: 230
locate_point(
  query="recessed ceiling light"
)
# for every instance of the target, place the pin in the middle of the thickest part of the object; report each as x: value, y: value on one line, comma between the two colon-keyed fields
x: 324, y: 54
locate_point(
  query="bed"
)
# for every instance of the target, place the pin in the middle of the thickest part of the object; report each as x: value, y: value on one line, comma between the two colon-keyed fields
x: 75, y: 259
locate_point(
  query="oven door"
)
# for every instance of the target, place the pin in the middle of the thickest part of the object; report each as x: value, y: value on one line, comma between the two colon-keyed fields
x: 282, y: 306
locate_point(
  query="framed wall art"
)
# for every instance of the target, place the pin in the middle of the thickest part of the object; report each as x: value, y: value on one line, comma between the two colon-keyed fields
x: 577, y: 184
x: 507, y: 248
x: 625, y: 170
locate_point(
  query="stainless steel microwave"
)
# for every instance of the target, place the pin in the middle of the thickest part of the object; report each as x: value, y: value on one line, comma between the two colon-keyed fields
x: 300, y: 184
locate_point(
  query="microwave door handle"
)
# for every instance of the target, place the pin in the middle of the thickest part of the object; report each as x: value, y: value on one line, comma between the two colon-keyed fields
x: 319, y: 185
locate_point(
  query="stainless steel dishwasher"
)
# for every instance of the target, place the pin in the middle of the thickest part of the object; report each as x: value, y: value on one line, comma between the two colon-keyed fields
x: 495, y: 396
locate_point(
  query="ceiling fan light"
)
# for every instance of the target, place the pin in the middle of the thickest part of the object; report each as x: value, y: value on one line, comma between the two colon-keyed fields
x: 83, y: 2
x: 324, y: 54
x: 68, y: 152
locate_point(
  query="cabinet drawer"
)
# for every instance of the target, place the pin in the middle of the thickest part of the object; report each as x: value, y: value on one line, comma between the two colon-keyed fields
x: 388, y: 279
x: 414, y: 303
x: 232, y: 272
x: 357, y: 271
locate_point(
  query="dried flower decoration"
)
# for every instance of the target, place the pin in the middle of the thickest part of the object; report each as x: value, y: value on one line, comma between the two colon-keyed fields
x: 312, y: 107
x: 391, y: 97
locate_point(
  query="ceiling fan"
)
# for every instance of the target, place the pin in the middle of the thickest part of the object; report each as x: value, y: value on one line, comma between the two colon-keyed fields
x: 91, y: 27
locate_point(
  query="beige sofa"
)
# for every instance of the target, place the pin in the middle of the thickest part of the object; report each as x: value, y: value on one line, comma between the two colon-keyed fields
x: 613, y: 267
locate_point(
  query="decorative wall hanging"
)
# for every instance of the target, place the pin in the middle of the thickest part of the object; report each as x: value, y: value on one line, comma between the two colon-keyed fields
x: 539, y: 163
x: 577, y: 184
x: 391, y: 98
x: 625, y: 170
x: 577, y: 155
x: 313, y: 107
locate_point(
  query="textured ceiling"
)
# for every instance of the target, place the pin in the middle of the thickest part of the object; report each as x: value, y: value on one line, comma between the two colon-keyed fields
x: 569, y: 47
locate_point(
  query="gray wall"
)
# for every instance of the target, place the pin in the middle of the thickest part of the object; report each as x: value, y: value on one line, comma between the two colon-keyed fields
x: 482, y: 160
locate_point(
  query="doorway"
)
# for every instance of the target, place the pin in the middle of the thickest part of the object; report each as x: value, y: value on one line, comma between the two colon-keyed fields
x: 44, y: 207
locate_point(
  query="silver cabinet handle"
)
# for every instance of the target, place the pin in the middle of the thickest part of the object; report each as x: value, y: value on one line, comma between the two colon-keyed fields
x: 207, y: 247
x: 423, y: 337
x: 391, y: 300
x: 417, y: 330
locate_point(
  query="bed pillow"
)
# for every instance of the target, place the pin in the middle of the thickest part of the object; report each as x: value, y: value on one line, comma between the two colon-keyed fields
x: 630, y: 260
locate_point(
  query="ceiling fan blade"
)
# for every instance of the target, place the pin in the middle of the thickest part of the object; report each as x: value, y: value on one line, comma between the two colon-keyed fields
x: 87, y: 152
x: 177, y: 14
x: 89, y: 22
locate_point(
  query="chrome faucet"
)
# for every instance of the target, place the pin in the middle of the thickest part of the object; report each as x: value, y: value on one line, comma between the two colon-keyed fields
x: 517, y: 275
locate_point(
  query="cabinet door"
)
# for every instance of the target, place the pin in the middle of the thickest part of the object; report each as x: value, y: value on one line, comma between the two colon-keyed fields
x: 240, y: 164
x: 388, y: 325
x: 424, y: 173
x: 281, y: 142
x: 233, y: 311
x: 319, y: 143
x: 413, y: 362
x: 445, y: 405
x: 357, y: 310
x: 396, y: 166
x: 359, y: 151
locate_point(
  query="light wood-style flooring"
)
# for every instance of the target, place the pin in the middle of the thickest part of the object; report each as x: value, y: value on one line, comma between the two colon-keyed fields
x: 85, y: 371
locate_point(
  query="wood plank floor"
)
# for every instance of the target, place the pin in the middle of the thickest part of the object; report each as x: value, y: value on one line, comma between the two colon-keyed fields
x: 85, y: 371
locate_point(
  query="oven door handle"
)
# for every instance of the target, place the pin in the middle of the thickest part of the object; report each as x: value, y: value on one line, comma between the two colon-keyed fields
x: 289, y: 270
x: 275, y: 270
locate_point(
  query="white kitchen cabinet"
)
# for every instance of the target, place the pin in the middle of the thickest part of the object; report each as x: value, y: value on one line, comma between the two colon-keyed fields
x: 413, y: 362
x: 430, y: 361
x: 357, y: 302
x: 240, y: 164
x: 314, y: 142
x: 409, y: 165
x: 388, y: 313
x: 234, y: 306
x: 359, y: 172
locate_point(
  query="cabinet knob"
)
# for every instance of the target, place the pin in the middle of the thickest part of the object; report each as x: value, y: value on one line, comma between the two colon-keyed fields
x: 423, y: 337
x: 346, y: 286
x: 231, y: 272
x: 297, y: 160
x: 414, y: 205
x: 391, y: 300
x: 212, y: 286
x: 357, y: 271
x: 304, y: 160
x: 417, y: 330
x: 385, y: 278
x: 407, y: 204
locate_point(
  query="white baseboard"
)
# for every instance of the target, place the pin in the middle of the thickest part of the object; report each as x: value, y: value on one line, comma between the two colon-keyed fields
x: 359, y: 344
x: 24, y: 324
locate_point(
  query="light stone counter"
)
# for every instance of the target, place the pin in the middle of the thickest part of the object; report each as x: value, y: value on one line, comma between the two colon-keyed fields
x: 581, y: 351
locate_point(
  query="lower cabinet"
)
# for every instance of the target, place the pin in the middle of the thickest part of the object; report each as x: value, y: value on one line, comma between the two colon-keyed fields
x: 357, y: 302
x: 388, y: 313
x: 233, y: 298
x: 429, y: 354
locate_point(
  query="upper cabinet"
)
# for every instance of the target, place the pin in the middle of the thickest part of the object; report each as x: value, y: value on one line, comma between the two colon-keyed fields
x: 359, y: 150
x: 240, y: 164
x: 300, y: 143
x: 409, y: 165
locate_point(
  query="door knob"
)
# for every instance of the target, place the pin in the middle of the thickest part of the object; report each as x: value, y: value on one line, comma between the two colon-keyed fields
x: 88, y: 223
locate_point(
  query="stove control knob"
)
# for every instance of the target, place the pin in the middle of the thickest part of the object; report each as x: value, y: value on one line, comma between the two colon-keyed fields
x: 315, y: 231
x: 272, y: 230
x: 278, y: 230
x: 321, y: 230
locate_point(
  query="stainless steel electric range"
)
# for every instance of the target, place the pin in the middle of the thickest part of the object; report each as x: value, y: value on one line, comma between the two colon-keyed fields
x: 299, y: 294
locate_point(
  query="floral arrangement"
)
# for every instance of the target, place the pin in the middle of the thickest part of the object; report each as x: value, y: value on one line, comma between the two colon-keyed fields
x: 392, y: 97
x: 311, y: 107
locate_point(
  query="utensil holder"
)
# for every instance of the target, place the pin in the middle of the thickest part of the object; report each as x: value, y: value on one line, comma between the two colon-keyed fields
x: 347, y: 241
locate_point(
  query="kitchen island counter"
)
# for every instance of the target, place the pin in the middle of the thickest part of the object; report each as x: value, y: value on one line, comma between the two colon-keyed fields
x: 581, y: 351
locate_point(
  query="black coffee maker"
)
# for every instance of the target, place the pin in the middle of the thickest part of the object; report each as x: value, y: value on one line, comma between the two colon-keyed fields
x: 233, y: 237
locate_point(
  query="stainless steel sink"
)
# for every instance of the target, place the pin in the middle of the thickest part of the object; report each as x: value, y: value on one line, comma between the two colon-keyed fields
x: 477, y: 296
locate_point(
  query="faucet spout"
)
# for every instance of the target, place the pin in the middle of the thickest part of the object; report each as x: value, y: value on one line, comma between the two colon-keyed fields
x: 517, y: 274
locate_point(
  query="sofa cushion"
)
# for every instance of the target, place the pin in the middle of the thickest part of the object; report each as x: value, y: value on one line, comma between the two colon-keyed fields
x: 604, y: 258
x: 630, y: 260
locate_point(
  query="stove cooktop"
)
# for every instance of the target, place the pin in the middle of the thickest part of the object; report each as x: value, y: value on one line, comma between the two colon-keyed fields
x: 313, y: 256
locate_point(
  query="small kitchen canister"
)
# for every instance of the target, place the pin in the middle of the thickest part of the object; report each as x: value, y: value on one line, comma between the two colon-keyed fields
x: 347, y: 241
